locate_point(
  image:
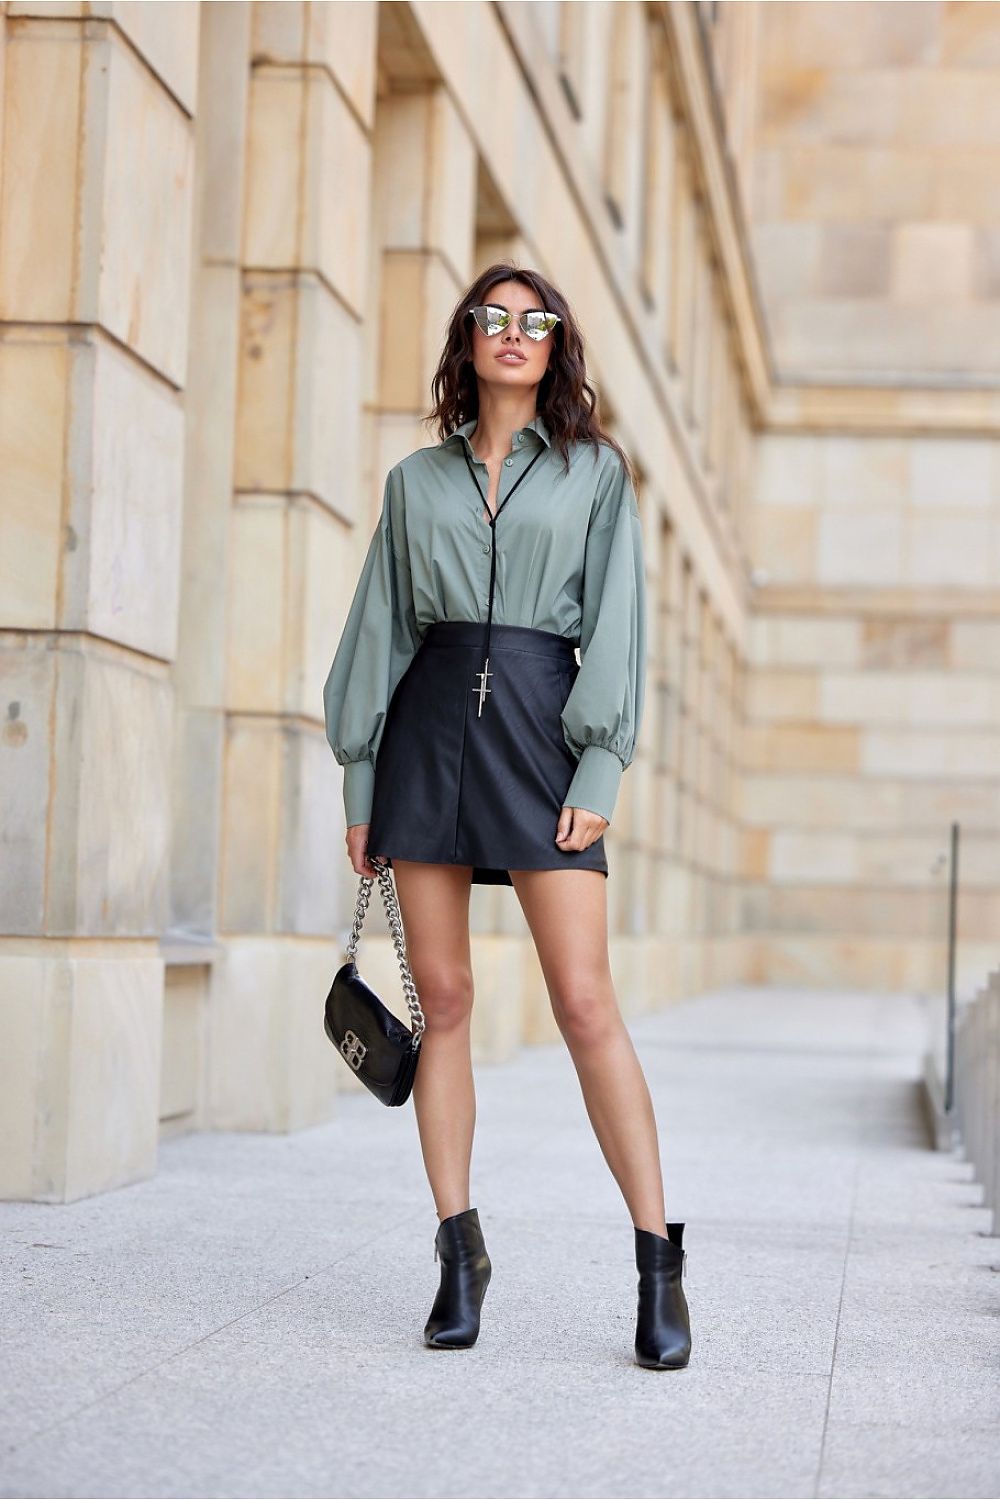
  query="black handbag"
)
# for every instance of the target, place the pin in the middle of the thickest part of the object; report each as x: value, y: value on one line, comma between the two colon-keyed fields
x: 372, y: 1041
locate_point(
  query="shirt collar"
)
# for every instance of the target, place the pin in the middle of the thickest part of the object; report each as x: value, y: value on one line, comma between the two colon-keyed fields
x: 537, y: 424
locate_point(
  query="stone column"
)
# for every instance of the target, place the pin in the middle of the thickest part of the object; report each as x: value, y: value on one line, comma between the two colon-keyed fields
x: 297, y: 502
x: 95, y: 226
x: 190, y: 946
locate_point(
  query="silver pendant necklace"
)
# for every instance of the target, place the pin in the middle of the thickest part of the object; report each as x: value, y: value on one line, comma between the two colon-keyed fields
x: 485, y: 673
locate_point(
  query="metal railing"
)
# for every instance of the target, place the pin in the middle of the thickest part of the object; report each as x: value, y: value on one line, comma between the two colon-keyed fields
x: 949, y: 1077
x: 940, y: 999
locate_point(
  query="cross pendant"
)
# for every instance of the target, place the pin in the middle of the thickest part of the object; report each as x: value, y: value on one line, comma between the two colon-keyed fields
x: 482, y: 689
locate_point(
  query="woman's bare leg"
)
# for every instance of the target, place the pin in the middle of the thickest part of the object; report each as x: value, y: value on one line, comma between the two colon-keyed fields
x: 434, y: 904
x: 566, y: 912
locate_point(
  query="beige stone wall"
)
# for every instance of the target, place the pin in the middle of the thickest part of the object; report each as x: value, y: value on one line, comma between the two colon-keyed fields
x: 862, y: 148
x: 229, y: 239
x: 95, y: 230
x: 230, y: 235
x: 873, y: 706
x: 872, y: 188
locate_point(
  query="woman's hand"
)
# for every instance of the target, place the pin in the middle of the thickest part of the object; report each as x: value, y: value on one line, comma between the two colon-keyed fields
x: 357, y: 850
x: 578, y: 827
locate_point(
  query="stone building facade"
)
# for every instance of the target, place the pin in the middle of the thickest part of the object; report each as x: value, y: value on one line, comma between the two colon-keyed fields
x: 230, y: 235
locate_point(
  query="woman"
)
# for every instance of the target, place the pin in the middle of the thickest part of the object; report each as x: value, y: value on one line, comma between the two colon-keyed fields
x: 477, y: 750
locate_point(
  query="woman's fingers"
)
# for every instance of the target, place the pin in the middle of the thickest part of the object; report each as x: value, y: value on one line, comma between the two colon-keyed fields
x: 578, y: 827
x: 357, y: 849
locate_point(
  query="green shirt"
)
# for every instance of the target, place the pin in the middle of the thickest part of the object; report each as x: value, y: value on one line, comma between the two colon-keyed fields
x: 568, y: 559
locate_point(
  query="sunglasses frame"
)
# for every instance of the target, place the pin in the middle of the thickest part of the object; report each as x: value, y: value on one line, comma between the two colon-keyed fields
x: 535, y: 337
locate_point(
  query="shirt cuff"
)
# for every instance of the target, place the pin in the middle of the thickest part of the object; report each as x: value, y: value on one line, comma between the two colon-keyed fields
x: 595, y: 781
x: 359, y: 791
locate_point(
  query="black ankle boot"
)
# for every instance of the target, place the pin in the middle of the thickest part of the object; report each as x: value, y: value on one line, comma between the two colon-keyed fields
x: 465, y: 1275
x: 663, y: 1330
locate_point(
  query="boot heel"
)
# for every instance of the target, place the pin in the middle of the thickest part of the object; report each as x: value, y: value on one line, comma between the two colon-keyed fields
x: 465, y: 1274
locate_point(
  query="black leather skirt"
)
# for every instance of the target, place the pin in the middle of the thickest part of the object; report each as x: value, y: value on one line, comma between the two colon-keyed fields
x: 454, y: 785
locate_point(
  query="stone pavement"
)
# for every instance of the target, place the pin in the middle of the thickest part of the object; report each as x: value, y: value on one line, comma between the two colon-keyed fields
x: 249, y: 1322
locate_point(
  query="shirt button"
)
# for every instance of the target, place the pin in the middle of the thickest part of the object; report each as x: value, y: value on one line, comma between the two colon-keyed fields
x: 508, y: 462
x: 486, y: 546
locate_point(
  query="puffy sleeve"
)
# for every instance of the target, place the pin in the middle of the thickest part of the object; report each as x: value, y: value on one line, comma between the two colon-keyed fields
x: 603, y: 713
x: 378, y: 642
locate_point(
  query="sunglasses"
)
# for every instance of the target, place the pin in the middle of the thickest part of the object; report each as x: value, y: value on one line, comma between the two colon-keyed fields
x: 535, y: 322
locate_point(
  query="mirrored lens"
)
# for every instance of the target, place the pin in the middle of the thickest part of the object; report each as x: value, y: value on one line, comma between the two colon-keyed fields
x: 491, y: 319
x: 537, y: 324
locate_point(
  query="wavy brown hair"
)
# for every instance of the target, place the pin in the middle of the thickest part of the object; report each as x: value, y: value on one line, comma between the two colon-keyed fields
x: 565, y: 400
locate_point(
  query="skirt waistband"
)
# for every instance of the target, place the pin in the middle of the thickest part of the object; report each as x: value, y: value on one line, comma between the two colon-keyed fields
x: 502, y: 637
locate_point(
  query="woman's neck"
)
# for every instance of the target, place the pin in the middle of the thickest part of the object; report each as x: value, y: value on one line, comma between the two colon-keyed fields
x: 492, y: 433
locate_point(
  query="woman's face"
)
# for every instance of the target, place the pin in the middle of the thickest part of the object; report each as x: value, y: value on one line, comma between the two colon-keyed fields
x: 510, y: 357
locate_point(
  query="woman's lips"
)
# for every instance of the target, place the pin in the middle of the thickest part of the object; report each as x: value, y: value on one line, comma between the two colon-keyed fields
x: 512, y: 358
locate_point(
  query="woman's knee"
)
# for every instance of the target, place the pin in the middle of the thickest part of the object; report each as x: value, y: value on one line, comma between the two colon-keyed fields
x: 586, y: 1012
x: 445, y: 992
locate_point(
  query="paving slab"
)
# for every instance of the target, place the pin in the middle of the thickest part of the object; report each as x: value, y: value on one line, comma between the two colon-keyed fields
x: 249, y: 1321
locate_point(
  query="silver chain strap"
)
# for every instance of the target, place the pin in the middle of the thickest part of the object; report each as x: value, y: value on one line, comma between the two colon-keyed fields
x: 395, y: 920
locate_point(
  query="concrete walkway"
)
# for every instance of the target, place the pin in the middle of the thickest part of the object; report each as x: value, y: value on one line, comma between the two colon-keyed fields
x: 249, y: 1322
